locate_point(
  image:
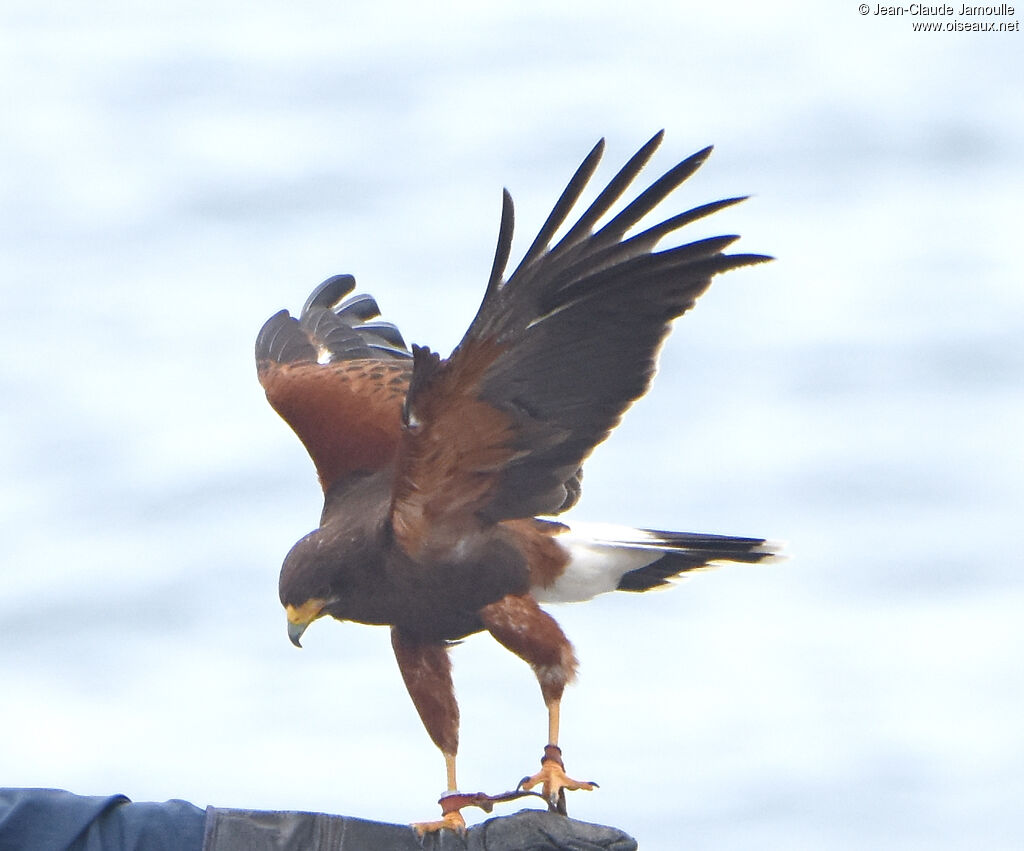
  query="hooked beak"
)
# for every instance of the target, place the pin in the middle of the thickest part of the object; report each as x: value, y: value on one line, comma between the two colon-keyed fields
x: 299, y: 617
x: 295, y: 631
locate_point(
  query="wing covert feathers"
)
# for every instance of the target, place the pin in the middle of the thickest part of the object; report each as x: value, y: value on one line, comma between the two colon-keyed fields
x: 453, y: 446
x: 338, y: 378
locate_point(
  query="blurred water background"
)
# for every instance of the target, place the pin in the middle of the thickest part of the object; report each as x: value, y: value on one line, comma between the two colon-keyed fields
x: 172, y: 174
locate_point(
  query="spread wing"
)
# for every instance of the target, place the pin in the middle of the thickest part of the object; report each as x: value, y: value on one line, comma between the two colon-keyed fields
x: 338, y: 378
x: 554, y: 356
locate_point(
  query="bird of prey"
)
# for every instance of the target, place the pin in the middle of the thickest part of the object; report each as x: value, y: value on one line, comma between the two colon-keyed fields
x: 442, y: 477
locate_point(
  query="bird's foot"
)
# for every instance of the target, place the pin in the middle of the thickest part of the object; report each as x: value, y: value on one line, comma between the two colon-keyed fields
x: 451, y: 814
x: 452, y: 804
x: 553, y: 780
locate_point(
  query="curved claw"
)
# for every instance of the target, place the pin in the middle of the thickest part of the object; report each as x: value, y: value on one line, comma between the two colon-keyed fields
x: 554, y: 781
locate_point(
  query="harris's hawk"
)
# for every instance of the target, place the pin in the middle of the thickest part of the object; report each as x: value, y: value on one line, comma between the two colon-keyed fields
x: 441, y: 475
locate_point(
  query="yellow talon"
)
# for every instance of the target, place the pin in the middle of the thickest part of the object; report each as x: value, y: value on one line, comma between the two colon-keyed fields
x: 554, y: 781
x: 451, y: 820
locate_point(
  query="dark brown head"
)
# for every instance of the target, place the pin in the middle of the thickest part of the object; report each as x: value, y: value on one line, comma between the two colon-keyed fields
x: 337, y: 570
x: 310, y: 583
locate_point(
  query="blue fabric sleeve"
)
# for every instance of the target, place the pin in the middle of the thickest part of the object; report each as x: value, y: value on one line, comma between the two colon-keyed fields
x: 54, y: 820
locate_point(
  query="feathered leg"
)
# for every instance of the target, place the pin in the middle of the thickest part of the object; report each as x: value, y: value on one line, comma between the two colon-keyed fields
x: 427, y: 672
x: 523, y: 627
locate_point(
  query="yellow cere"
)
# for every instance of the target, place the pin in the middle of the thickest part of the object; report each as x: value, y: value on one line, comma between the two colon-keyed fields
x: 307, y: 612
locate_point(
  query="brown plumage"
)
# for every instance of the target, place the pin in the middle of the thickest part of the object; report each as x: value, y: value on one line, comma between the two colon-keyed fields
x: 434, y: 470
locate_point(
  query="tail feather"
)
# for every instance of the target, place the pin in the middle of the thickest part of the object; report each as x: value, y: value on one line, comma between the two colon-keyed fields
x: 684, y: 551
x: 604, y: 558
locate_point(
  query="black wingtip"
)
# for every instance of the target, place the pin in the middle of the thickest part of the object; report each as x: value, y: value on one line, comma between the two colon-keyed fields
x: 282, y: 340
x: 329, y: 293
x: 504, y: 247
x: 751, y: 259
x: 652, y: 144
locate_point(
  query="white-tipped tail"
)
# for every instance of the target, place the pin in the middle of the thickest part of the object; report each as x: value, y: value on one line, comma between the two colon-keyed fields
x: 605, y: 557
